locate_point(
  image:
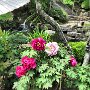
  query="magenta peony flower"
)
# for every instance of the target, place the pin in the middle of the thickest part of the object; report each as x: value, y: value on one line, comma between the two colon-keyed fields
x: 52, y: 48
x: 73, y: 61
x: 20, y: 71
x: 28, y: 63
x: 32, y: 63
x: 38, y: 44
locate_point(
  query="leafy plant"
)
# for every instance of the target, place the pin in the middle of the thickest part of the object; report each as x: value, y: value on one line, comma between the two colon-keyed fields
x: 37, y: 33
x: 86, y: 4
x: 70, y: 2
x: 7, y: 16
x: 49, y: 68
x: 79, y: 77
x: 78, y: 49
x: 83, y: 3
x: 9, y: 54
x: 9, y: 44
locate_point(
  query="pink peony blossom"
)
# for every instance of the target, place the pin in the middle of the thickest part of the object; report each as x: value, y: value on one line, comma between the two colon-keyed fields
x: 28, y: 63
x: 51, y: 48
x: 38, y: 44
x: 73, y: 61
x: 20, y: 71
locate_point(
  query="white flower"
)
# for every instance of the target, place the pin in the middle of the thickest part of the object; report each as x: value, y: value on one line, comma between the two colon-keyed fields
x: 51, y: 48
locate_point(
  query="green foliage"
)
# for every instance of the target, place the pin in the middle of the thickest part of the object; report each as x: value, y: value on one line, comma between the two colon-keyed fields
x: 79, y: 77
x: 83, y: 3
x: 48, y: 73
x: 9, y: 54
x: 37, y: 33
x: 4, y: 47
x: 7, y: 16
x: 10, y: 48
x: 45, y: 4
x: 22, y: 38
x: 22, y: 84
x: 78, y: 49
x: 70, y: 2
x: 48, y: 68
x: 56, y: 12
x: 86, y: 4
x: 59, y: 14
x: 9, y: 43
x: 30, y: 53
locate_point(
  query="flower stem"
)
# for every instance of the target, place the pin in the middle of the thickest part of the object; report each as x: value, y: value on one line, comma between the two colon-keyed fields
x: 60, y: 81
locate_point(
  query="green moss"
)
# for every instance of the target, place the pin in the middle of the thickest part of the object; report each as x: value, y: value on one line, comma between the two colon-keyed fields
x: 7, y: 16
x: 78, y: 49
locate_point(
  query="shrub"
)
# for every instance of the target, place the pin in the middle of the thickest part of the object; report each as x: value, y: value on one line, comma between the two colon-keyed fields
x: 78, y: 77
x: 50, y: 69
x: 9, y: 54
x: 78, y: 49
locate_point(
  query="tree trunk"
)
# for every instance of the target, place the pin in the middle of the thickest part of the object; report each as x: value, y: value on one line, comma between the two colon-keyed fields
x: 87, y: 54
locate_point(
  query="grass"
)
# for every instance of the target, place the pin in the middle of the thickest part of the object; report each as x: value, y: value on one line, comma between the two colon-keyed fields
x: 7, y: 16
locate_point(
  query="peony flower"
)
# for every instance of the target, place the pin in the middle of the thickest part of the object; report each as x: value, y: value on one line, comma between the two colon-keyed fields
x: 73, y: 61
x: 51, y: 48
x: 38, y: 44
x: 28, y: 63
x: 32, y: 63
x: 20, y: 71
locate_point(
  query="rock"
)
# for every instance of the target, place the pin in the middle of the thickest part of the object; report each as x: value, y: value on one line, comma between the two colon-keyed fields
x: 72, y: 33
x: 72, y: 38
x: 50, y: 32
x: 87, y: 34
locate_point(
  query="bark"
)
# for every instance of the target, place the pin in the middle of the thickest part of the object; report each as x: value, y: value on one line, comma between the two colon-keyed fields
x: 87, y: 54
x: 52, y: 22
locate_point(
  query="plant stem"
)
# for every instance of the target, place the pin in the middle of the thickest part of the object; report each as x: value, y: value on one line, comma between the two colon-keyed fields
x: 60, y: 82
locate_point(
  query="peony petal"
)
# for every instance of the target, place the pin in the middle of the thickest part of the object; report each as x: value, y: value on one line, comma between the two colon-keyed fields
x: 20, y: 71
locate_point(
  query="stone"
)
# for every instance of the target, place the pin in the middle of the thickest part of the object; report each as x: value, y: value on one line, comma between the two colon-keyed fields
x: 87, y: 34
x: 50, y: 32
